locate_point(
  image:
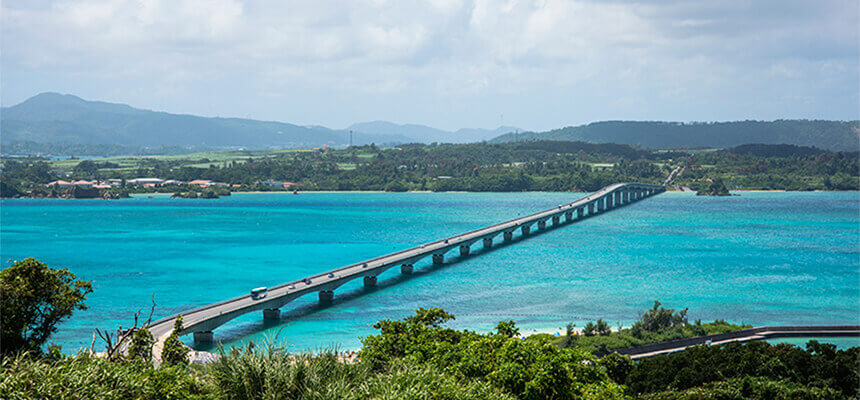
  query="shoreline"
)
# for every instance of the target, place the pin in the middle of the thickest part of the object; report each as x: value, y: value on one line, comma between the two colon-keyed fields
x: 135, y: 194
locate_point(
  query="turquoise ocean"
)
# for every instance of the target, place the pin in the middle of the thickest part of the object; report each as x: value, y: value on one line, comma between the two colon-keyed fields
x: 757, y: 258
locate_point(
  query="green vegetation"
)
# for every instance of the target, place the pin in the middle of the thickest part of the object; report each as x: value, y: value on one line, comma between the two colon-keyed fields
x: 833, y: 135
x: 715, y: 188
x: 85, y: 377
x: 658, y: 324
x: 754, y: 370
x: 478, y: 167
x: 419, y: 358
x: 773, y: 167
x: 174, y: 352
x: 35, y: 299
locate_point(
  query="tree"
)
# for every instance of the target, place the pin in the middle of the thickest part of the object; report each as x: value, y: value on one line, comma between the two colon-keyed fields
x: 174, y: 352
x: 507, y: 328
x: 658, y: 319
x: 141, y: 344
x: 602, y: 327
x: 86, y: 167
x: 618, y: 366
x: 570, y: 335
x: 432, y: 317
x: 35, y: 299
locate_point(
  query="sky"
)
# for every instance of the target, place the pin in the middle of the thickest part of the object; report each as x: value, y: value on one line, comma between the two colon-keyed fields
x: 449, y: 64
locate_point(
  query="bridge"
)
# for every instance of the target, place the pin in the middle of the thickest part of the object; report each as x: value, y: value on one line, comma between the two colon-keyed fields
x: 759, y: 333
x: 203, y: 320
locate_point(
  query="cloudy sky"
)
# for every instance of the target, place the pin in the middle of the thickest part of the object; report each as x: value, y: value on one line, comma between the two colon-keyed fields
x: 444, y: 63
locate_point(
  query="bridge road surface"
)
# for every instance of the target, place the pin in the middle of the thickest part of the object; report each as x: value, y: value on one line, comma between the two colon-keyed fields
x: 204, y: 319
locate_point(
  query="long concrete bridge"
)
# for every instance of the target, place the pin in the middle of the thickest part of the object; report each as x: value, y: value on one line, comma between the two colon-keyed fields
x: 743, y: 335
x: 203, y: 320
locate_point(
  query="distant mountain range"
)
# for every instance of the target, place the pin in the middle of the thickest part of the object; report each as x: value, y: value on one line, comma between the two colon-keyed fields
x: 52, y: 119
x: 831, y: 135
x: 57, y: 118
x: 429, y: 135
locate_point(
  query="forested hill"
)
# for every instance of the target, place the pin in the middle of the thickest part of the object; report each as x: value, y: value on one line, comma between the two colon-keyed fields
x: 831, y: 135
x: 52, y: 118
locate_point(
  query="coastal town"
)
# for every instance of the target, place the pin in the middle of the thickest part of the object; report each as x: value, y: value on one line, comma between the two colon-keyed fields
x: 120, y: 188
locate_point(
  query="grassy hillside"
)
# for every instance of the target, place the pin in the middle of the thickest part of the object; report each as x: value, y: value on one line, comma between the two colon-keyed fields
x: 831, y: 135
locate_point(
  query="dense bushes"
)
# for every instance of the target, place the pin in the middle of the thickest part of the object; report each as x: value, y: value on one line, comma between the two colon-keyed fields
x: 527, y: 369
x: 819, y: 366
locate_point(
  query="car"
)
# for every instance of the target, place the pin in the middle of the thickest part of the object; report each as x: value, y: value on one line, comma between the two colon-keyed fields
x: 307, y: 281
x: 331, y: 275
x: 291, y: 286
x: 259, y: 293
x: 364, y: 265
x: 446, y: 241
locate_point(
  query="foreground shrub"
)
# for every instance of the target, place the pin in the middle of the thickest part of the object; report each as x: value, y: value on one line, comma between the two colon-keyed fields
x: 819, y: 366
x: 410, y: 382
x: 749, y: 389
x: 526, y: 369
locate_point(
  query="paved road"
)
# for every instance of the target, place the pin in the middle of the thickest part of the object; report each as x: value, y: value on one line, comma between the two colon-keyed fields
x: 760, y: 333
x: 209, y: 317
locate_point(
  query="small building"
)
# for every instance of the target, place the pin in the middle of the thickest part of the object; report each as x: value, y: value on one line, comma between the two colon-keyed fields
x: 172, y: 182
x: 201, y: 183
x: 60, y: 183
x: 143, y: 181
x: 278, y: 184
x: 83, y: 183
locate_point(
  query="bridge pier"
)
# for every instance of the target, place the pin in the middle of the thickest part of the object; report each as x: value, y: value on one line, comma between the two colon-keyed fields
x: 591, y: 208
x: 580, y: 212
x: 204, y: 337
x: 488, y: 242
x: 438, y: 259
x: 369, y: 281
x: 406, y: 269
x: 326, y: 296
x: 525, y: 229
x: 626, y: 196
x: 568, y: 216
x: 618, y: 199
x: 464, y: 250
x: 508, y: 236
x: 271, y: 314
x: 541, y: 225
x: 601, y: 204
x: 556, y: 220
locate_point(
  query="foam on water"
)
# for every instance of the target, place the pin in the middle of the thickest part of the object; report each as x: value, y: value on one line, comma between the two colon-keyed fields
x: 760, y: 258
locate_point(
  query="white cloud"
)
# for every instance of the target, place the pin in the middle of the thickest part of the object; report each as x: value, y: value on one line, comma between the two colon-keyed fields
x: 625, y: 53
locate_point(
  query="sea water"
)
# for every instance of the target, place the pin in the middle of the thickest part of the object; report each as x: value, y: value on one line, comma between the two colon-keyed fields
x: 757, y: 258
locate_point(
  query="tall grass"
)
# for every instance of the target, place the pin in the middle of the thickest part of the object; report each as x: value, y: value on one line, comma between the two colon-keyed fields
x: 25, y: 377
x: 271, y: 373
